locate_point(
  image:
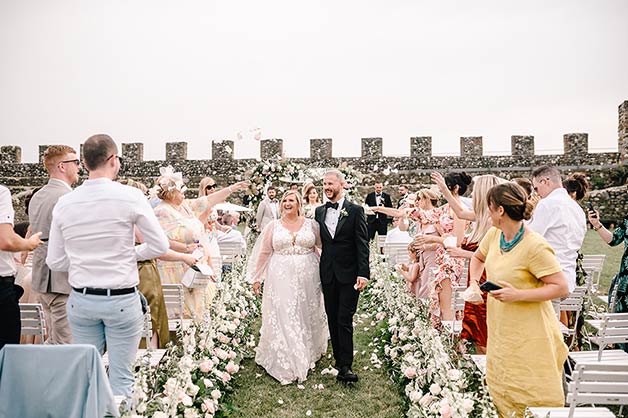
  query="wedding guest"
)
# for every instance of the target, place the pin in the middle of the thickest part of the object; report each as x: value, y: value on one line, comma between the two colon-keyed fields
x: 52, y: 287
x: 614, y: 238
x: 184, y: 220
x: 92, y: 238
x: 10, y: 293
x: 208, y: 187
x: 565, y: 233
x: 378, y: 222
x: 23, y: 275
x: 150, y: 283
x: 294, y: 331
x: 231, y: 235
x: 310, y: 200
x: 411, y: 274
x: 268, y: 209
x: 474, y: 317
x: 395, y: 235
x: 449, y: 269
x: 403, y: 194
x: 525, y: 351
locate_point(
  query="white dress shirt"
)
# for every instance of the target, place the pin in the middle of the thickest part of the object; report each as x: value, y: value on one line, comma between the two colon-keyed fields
x: 396, y: 235
x: 7, y: 263
x: 562, y: 222
x: 92, y: 237
x: 333, y: 216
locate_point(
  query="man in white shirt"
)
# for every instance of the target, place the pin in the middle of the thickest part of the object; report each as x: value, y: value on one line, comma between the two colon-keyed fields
x: 395, y: 235
x: 10, y: 293
x: 52, y: 287
x: 231, y: 236
x: 559, y: 219
x: 268, y: 209
x: 92, y: 238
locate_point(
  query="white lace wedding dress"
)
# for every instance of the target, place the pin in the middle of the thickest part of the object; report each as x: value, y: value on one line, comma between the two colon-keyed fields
x: 294, y: 329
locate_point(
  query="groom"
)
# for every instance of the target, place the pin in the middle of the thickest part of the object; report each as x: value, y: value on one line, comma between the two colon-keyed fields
x: 344, y: 267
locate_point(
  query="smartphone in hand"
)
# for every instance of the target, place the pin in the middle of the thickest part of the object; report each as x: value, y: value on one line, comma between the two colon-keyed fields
x: 489, y: 286
x: 591, y: 209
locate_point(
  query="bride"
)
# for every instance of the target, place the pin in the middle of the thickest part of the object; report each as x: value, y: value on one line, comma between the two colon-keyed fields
x: 294, y: 329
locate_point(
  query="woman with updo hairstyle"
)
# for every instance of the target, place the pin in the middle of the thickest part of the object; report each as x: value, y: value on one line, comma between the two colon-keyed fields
x: 525, y: 349
x: 448, y: 273
x: 310, y: 200
x: 183, y: 220
x: 577, y: 186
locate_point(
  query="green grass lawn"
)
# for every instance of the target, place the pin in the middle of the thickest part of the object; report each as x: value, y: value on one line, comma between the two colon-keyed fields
x: 593, y: 244
x: 258, y: 395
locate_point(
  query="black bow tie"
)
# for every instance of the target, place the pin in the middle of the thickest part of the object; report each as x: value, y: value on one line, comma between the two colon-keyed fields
x: 331, y: 205
x: 378, y: 194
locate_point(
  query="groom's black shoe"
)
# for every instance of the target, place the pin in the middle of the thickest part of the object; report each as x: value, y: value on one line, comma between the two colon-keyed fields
x: 346, y: 375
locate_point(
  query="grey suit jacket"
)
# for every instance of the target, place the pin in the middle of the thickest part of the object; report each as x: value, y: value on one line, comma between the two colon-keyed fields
x: 40, y: 218
x: 264, y: 214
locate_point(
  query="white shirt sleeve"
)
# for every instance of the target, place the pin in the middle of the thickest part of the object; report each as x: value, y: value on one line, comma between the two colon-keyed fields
x: 541, y: 219
x: 56, y: 258
x: 6, y: 207
x: 155, y: 240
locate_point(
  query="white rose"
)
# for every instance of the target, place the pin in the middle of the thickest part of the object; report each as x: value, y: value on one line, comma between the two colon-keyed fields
x: 415, y: 396
x: 216, y: 394
x: 190, y: 413
x: 425, y: 400
x: 454, y: 374
x: 159, y: 414
x: 434, y: 388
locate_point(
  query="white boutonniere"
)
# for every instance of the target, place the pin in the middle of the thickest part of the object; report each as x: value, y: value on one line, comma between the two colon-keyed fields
x: 343, y: 213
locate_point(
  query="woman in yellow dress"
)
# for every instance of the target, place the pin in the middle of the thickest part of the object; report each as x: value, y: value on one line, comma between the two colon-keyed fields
x: 525, y: 351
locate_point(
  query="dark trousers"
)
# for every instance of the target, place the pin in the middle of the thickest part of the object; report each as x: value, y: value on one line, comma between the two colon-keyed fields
x: 10, y: 323
x: 378, y: 226
x: 341, y: 302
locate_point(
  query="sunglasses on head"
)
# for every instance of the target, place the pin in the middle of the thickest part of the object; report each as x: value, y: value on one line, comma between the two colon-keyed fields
x: 210, y: 186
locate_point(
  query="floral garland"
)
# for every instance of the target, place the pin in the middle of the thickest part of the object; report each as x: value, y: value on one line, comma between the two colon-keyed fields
x: 278, y: 171
x: 192, y: 377
x: 438, y: 381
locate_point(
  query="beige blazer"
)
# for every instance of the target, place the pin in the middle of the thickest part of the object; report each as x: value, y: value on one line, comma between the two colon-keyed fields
x: 40, y: 218
x: 265, y: 214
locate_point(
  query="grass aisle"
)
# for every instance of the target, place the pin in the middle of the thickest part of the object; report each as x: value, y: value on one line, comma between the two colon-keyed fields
x: 259, y: 395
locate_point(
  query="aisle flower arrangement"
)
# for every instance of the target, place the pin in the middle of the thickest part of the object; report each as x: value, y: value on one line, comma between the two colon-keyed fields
x: 437, y: 380
x: 194, y: 374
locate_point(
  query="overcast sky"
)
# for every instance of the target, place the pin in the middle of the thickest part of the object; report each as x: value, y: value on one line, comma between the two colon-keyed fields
x: 157, y: 71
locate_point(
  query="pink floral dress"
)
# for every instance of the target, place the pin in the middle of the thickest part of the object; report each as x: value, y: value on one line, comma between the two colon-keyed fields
x: 446, y: 267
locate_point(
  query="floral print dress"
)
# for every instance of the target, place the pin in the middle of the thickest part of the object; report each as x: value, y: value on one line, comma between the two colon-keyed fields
x: 447, y: 267
x: 183, y: 225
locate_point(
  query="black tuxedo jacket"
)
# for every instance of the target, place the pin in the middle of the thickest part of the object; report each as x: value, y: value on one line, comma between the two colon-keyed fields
x: 346, y: 255
x: 371, y: 201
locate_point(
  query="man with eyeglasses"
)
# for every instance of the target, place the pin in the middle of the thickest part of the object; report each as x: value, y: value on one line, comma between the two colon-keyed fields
x: 52, y: 287
x: 92, y: 238
x: 559, y: 219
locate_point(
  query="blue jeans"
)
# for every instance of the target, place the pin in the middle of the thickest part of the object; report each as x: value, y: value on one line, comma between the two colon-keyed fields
x: 114, y: 320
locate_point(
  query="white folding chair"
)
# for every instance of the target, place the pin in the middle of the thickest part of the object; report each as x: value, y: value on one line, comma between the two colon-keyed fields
x: 593, y: 383
x: 396, y: 252
x: 572, y: 303
x: 612, y: 329
x: 230, y: 251
x: 174, y: 297
x: 147, y: 334
x: 33, y: 322
x: 593, y: 265
x: 454, y: 327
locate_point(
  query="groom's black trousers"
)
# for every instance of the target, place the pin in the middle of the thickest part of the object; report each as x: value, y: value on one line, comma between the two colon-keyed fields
x: 341, y: 302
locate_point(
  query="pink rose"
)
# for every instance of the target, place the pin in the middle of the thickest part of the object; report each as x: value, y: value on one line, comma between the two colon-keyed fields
x: 410, y: 372
x: 206, y: 366
x: 232, y: 367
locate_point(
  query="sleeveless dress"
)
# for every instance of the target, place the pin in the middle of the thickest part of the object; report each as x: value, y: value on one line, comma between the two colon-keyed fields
x: 294, y: 329
x: 474, y: 319
x: 150, y: 286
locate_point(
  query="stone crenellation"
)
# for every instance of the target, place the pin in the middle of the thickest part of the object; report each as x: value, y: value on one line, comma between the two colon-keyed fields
x: 413, y: 170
